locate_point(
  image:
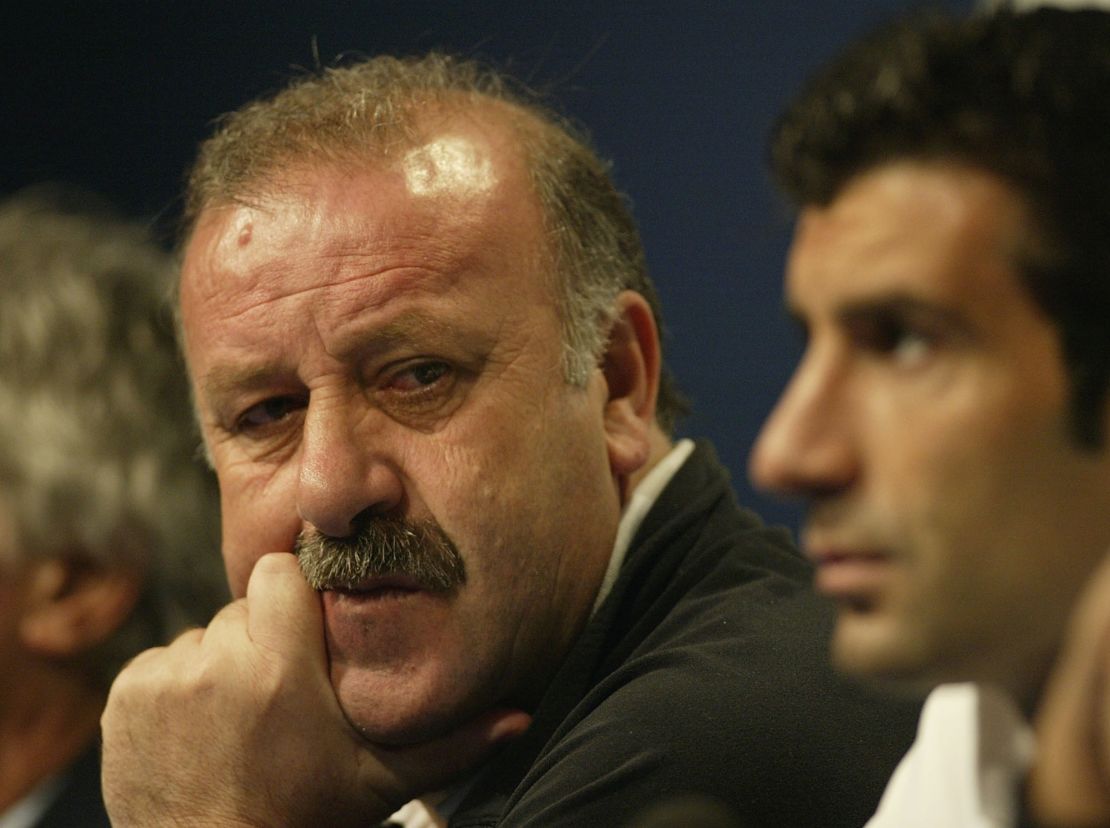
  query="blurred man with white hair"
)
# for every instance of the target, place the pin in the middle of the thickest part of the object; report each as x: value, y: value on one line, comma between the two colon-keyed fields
x: 107, y: 521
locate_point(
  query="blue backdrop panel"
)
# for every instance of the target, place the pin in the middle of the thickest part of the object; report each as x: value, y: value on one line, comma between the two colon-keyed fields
x: 114, y: 96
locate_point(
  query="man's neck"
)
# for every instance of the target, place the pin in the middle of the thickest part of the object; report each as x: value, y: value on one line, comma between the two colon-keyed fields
x: 1022, y: 678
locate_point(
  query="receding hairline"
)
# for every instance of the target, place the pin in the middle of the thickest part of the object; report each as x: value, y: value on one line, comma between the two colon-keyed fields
x: 529, y: 124
x: 516, y: 133
x: 514, y: 130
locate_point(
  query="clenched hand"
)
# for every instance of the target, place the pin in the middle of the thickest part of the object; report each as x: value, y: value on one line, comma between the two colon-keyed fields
x: 238, y: 725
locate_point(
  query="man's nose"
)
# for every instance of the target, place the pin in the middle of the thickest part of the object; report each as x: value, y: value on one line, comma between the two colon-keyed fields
x: 806, y: 448
x: 346, y: 469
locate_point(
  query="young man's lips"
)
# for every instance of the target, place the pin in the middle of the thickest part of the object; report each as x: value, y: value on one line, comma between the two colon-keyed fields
x: 850, y: 573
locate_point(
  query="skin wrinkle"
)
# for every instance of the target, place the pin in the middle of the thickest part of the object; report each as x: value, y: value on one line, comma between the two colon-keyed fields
x: 519, y: 451
x: 370, y: 281
x: 238, y: 378
x: 336, y: 250
x: 502, y: 475
x: 400, y: 327
x: 443, y: 266
x: 384, y: 338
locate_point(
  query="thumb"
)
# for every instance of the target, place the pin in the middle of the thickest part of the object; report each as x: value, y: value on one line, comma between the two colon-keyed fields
x: 283, y: 611
x: 1070, y: 784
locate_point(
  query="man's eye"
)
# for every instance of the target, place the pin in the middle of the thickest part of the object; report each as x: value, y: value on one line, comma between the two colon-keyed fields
x: 268, y: 412
x: 419, y: 376
x: 893, y: 339
x: 912, y: 347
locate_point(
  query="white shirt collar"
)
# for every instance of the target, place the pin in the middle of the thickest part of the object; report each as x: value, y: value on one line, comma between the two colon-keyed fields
x: 965, y: 767
x: 28, y: 810
x: 639, y: 504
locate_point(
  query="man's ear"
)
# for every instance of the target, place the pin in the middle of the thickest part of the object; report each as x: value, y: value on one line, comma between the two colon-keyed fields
x: 631, y: 367
x: 72, y: 605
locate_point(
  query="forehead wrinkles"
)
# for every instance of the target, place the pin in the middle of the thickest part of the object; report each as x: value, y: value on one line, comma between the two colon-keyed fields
x: 324, y: 225
x: 350, y: 292
x: 286, y: 257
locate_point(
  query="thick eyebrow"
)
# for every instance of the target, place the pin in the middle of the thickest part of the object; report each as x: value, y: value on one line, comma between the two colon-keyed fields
x: 223, y: 381
x: 895, y: 305
x: 905, y: 306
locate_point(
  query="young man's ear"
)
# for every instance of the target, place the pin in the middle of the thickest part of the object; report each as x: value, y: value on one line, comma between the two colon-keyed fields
x: 631, y: 367
x: 74, y: 605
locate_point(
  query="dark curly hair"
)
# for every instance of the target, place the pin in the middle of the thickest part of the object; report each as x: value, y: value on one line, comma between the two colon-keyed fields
x: 1025, y: 96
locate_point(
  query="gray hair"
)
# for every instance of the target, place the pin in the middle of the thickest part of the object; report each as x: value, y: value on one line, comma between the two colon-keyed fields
x: 374, y: 108
x: 97, y: 443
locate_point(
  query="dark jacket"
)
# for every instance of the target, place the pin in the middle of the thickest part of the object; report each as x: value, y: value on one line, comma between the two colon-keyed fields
x: 78, y: 803
x: 706, y: 670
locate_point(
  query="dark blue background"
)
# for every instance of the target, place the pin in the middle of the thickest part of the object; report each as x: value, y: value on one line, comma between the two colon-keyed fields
x: 114, y: 96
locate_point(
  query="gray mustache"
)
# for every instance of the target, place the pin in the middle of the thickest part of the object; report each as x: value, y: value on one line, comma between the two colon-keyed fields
x: 420, y: 550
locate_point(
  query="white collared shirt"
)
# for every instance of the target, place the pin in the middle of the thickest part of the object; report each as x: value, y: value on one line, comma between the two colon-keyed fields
x: 28, y: 810
x: 966, y: 764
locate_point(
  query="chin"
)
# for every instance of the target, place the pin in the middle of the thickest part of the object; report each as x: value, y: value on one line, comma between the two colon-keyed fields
x: 400, y: 731
x: 871, y: 646
x: 398, y: 710
x: 397, y: 725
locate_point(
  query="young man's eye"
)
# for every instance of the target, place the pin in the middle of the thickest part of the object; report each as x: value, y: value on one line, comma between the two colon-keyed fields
x: 911, y: 347
x: 894, y: 339
x: 268, y: 412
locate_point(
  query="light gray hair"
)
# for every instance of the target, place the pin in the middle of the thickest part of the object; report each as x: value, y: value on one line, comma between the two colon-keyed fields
x: 97, y: 442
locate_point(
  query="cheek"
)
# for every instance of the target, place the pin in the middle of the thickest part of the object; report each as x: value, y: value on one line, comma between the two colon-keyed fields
x: 481, y: 501
x: 486, y: 465
x: 258, y: 516
x: 971, y: 484
x: 930, y: 447
x: 497, y: 499
x: 931, y: 479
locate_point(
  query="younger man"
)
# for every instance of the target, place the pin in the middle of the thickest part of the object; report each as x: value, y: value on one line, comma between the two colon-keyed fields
x: 949, y: 420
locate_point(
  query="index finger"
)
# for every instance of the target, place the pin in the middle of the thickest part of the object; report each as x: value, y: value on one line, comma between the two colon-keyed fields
x: 283, y: 611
